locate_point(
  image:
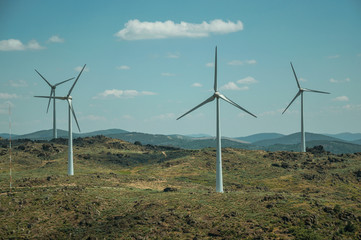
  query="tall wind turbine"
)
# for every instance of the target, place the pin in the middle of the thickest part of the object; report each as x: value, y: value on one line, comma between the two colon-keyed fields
x: 69, y: 99
x: 300, y: 92
x: 216, y: 95
x: 52, y: 94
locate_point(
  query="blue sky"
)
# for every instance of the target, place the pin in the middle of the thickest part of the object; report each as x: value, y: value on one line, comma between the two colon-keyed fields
x: 148, y: 62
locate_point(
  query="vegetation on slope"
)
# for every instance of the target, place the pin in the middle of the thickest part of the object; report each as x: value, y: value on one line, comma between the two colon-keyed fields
x: 127, y: 191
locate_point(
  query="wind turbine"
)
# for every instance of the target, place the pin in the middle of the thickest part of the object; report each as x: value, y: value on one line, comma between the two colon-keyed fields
x: 69, y: 99
x: 52, y: 93
x: 300, y: 92
x: 216, y: 95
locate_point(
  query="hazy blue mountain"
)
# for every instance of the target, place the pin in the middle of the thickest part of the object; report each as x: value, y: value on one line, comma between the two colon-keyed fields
x: 335, y: 147
x: 295, y: 138
x: 199, y: 135
x: 6, y: 135
x: 48, y: 134
x: 269, y: 141
x: 346, y: 136
x: 260, y: 137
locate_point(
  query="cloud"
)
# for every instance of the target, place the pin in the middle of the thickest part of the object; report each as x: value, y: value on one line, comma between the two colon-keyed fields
x: 79, y: 68
x: 164, y: 116
x: 92, y: 117
x: 210, y: 64
x: 352, y: 107
x: 197, y: 85
x: 137, y: 30
x: 166, y: 74
x: 233, y: 86
x: 17, y: 45
x: 8, y: 96
x: 173, y: 55
x: 239, y: 62
x: 333, y: 56
x: 341, y: 99
x: 123, y: 67
x: 20, y: 83
x: 247, y: 80
x: 302, y: 80
x: 55, y: 39
x: 117, y: 93
x: 4, y: 107
x: 340, y: 81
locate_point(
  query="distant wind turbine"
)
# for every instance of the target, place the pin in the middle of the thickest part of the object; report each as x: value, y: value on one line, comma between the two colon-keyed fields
x: 68, y: 98
x: 52, y: 94
x: 300, y: 92
x: 216, y: 95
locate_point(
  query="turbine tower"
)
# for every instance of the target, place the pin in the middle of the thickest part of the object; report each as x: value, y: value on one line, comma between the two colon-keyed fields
x: 300, y: 92
x: 71, y: 111
x: 217, y: 95
x: 52, y: 93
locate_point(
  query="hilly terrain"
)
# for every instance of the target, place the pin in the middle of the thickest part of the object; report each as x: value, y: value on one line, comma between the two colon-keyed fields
x: 263, y: 141
x: 122, y: 190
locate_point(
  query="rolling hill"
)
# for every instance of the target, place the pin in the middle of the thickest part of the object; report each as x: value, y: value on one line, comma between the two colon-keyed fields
x: 122, y: 190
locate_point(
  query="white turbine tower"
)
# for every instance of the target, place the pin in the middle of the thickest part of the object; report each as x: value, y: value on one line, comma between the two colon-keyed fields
x: 300, y: 92
x: 216, y: 95
x: 52, y: 93
x: 68, y: 98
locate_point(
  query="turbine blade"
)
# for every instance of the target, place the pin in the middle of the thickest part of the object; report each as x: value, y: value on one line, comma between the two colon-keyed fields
x: 316, y: 91
x: 76, y: 80
x: 63, y: 81
x: 61, y: 98
x: 298, y: 84
x: 235, y: 104
x: 72, y: 110
x: 51, y: 94
x: 215, y: 72
x: 298, y: 94
x: 210, y: 99
x: 43, y: 78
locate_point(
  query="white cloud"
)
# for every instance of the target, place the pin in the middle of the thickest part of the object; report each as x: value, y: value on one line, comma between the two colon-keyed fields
x: 239, y: 62
x: 34, y: 45
x: 127, y: 117
x: 233, y: 86
x: 79, y: 68
x: 4, y: 107
x: 92, y: 117
x: 210, y: 64
x: 137, y: 30
x: 8, y: 96
x: 333, y: 56
x: 352, y: 107
x: 20, y: 83
x: 173, y: 55
x: 117, y: 93
x: 302, y: 80
x: 341, y: 99
x: 17, y: 45
x: 340, y: 81
x: 55, y: 39
x: 166, y: 74
x: 164, y: 116
x: 123, y: 67
x: 197, y: 85
x: 247, y: 80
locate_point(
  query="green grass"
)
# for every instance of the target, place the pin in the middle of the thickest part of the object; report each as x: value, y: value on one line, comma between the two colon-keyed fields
x: 117, y: 193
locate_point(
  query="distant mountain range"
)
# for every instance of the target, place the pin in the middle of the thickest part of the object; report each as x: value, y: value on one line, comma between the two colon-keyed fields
x: 335, y: 143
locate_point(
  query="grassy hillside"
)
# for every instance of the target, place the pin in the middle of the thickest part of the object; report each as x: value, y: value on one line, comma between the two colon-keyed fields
x: 126, y: 191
